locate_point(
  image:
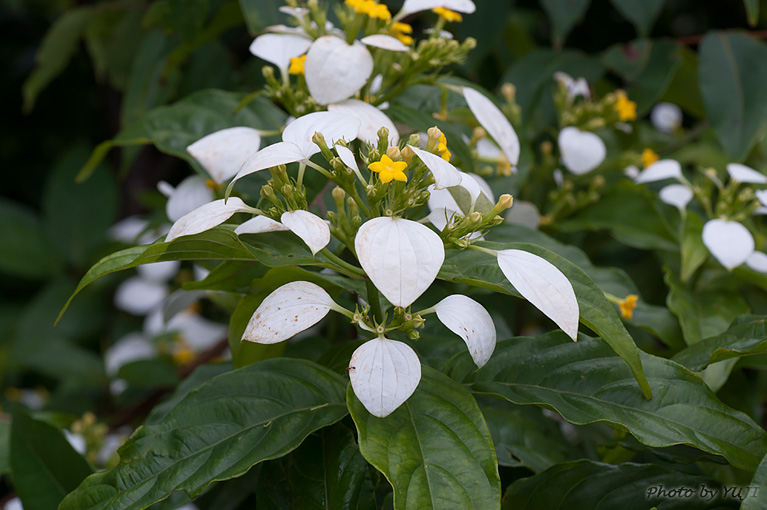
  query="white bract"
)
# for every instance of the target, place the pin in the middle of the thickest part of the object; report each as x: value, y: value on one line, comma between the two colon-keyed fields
x: 384, y: 373
x: 139, y: 296
x: 757, y: 261
x: 222, y: 153
x: 581, y: 151
x: 541, y: 283
x: 159, y: 271
x: 660, y: 170
x: 371, y: 120
x: 728, y: 241
x: 413, y: 6
x: 385, y: 42
x: 495, y: 123
x: 666, y: 117
x: 574, y: 87
x: 206, y: 217
x: 746, y: 174
x: 469, y: 320
x: 132, y: 347
x: 445, y: 174
x: 335, y: 70
x: 297, y: 145
x: 278, y: 49
x: 290, y: 309
x: 401, y: 257
x: 312, y: 229
x: 190, y: 194
x: 677, y: 195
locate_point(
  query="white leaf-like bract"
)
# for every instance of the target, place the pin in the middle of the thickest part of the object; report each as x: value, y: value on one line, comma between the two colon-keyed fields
x: 413, y: 6
x: 384, y: 373
x: 335, y: 70
x: 445, y: 174
x: 190, y: 194
x: 677, y: 195
x: 312, y: 229
x: 138, y: 296
x: 541, y: 283
x: 574, y: 87
x: 728, y: 241
x: 469, y: 320
x: 371, y: 120
x: 401, y: 257
x: 660, y: 170
x: 761, y: 195
x: 666, y: 117
x: 290, y: 309
x: 260, y: 225
x: 347, y: 157
x: 206, y: 217
x: 222, y: 153
x: 132, y: 347
x: 743, y: 173
x: 495, y: 123
x: 278, y: 49
x: 280, y: 153
x: 385, y: 42
x: 757, y: 261
x: 581, y: 151
x: 159, y: 271
x: 334, y: 126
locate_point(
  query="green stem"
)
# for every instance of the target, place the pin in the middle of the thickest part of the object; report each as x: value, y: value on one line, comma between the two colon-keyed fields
x: 341, y: 263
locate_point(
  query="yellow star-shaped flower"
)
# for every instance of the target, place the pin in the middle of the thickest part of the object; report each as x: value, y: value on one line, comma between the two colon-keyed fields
x: 627, y: 306
x: 447, y: 14
x: 442, y: 149
x: 297, y: 65
x: 400, y: 31
x: 649, y: 157
x: 388, y: 169
x: 626, y: 108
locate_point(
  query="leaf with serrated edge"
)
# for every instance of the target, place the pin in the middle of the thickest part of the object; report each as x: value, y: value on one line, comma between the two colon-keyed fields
x: 469, y: 320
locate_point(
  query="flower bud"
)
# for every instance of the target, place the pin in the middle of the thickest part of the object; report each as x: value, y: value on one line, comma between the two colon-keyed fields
x: 505, y: 201
x: 434, y: 134
x: 478, y: 134
x: 319, y: 139
x: 407, y: 154
x: 414, y: 140
x: 338, y: 196
x: 383, y: 138
x: 394, y: 153
x: 509, y: 92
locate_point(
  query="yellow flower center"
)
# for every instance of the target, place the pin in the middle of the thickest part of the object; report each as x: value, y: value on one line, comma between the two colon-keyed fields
x: 387, y: 169
x: 649, y: 157
x: 297, y: 65
x: 447, y: 14
x: 626, y: 108
x: 400, y: 30
x: 442, y: 147
x: 627, y: 306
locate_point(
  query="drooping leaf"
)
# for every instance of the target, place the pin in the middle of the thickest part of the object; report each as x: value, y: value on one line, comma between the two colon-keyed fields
x: 757, y: 497
x: 585, y: 382
x: 435, y: 449
x: 642, y: 13
x: 219, y: 431
x: 564, y: 14
x: 746, y: 337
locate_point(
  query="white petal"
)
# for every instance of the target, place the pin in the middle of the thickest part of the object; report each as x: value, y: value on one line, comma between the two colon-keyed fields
x: 400, y: 256
x: 728, y: 241
x: 487, y: 149
x: 165, y: 188
x: 347, y: 157
x: 76, y: 441
x: 743, y: 173
x: 222, y: 153
x: 631, y: 171
x: 494, y: 122
x: 541, y: 283
x: 278, y: 49
x: 469, y: 320
x: 375, y: 85
x: 309, y: 227
x: 757, y: 261
x: 442, y: 199
x: 575, y: 88
x: 13, y: 504
x: 677, y: 195
x: 524, y: 213
x: 190, y: 194
x: 371, y: 120
x: 411, y: 6
x: 139, y: 296
x: 197, y: 332
x: 334, y: 126
x: 128, y: 229
x: 384, y: 373
x: 206, y: 217
x: 445, y: 174
x: 260, y: 225
x: 159, y: 271
x: 385, y: 42
x: 760, y: 210
x: 581, y: 151
x: 761, y: 195
x: 280, y: 153
x: 439, y: 216
x: 663, y: 169
x: 132, y: 347
x: 296, y: 12
x: 335, y: 70
x: 287, y: 311
x: 666, y: 117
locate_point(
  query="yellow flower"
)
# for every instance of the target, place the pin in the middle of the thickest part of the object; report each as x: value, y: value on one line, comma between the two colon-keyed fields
x: 400, y: 31
x: 388, y: 169
x: 182, y: 353
x: 649, y: 157
x: 379, y: 11
x: 627, y: 306
x: 447, y: 14
x: 297, y: 65
x: 442, y: 147
x: 359, y: 6
x: 627, y: 109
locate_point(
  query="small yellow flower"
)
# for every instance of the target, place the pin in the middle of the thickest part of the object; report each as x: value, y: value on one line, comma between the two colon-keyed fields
x: 359, y: 6
x: 379, y: 11
x: 388, y: 169
x: 442, y: 147
x: 649, y: 157
x: 627, y: 306
x: 182, y: 353
x: 297, y: 65
x: 400, y: 30
x: 447, y: 14
x: 627, y: 109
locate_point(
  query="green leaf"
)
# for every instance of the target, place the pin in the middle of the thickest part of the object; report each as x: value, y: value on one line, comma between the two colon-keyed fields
x: 435, y: 449
x: 44, y: 466
x: 259, y: 14
x: 641, y: 13
x: 481, y: 270
x: 219, y: 431
x: 5, y: 448
x: 694, y: 252
x: 746, y: 337
x: 26, y: 251
x: 732, y: 77
x: 586, y: 382
x: 752, y: 11
x: 756, y: 499
x: 683, y: 89
x: 564, y: 14
x: 628, y: 486
x: 647, y: 66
